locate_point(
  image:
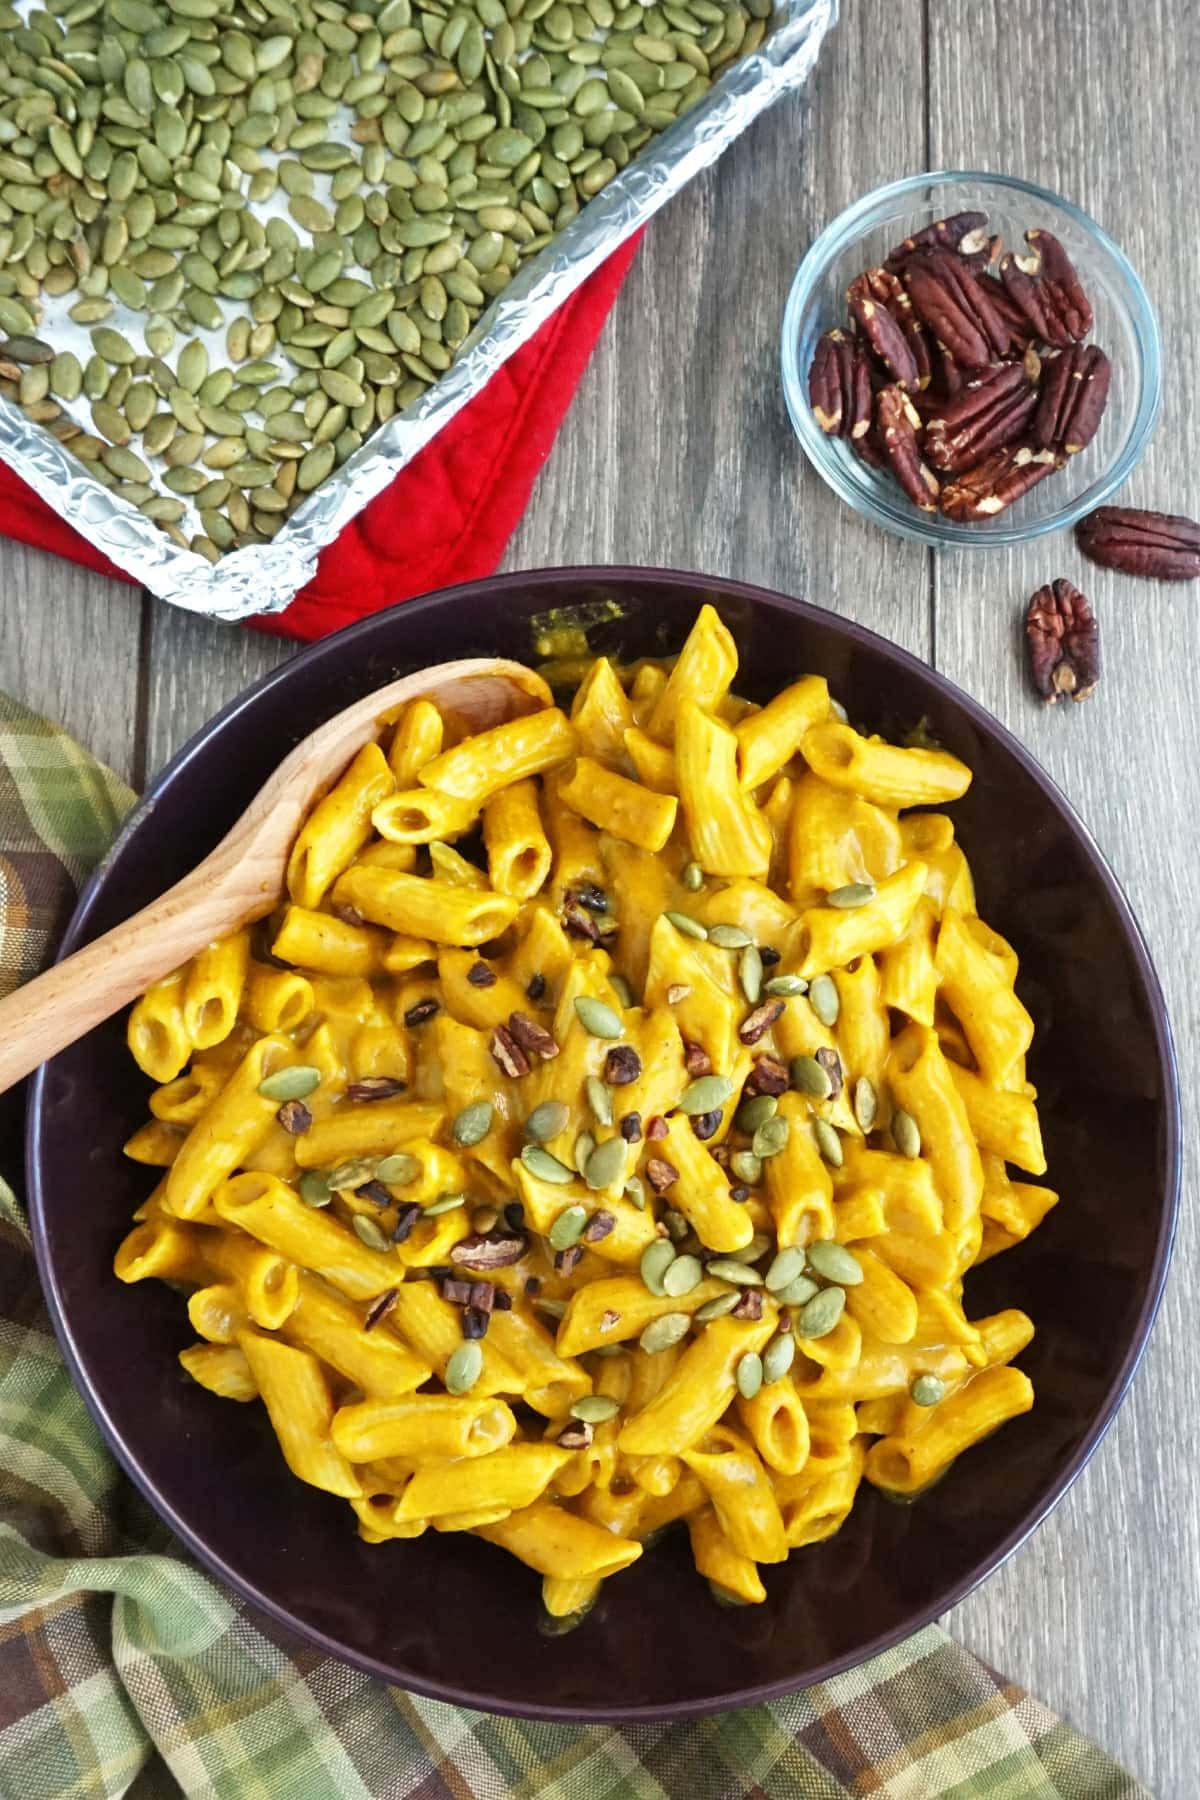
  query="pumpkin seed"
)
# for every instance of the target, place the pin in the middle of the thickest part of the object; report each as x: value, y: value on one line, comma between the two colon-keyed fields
x: 294, y: 1083
x: 314, y: 1188
x: 927, y: 1390
x: 728, y: 1268
x: 656, y: 1259
x: 746, y: 1167
x: 368, y: 1232
x: 354, y: 1173
x: 784, y: 1268
x: 664, y: 1332
x: 599, y: 1098
x: 692, y: 877
x: 810, y: 1078
x: 755, y: 1112
x: 585, y: 1143
x: 771, y: 1138
x: 750, y: 974
x: 824, y: 1000
x: 706, y: 1094
x: 749, y: 1374
x: 606, y: 1164
x: 548, y: 1120
x: 716, y: 1308
x: 828, y: 1142
x: 729, y: 937
x: 594, y: 1409
x: 635, y: 1192
x: 906, y: 1134
x: 545, y: 1167
x: 398, y: 1169
x: 597, y: 1017
x: 443, y: 1204
x: 681, y: 1276
x: 818, y: 1316
x: 855, y: 893
x: 785, y: 986
x: 865, y: 1103
x: 797, y: 1292
x: 472, y: 1124
x: 778, y: 1356
x: 464, y: 1366
x: 833, y: 1262
x: 568, y: 1227
x: 683, y: 922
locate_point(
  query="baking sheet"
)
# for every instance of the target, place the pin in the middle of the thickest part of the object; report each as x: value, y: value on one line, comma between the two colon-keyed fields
x: 263, y: 578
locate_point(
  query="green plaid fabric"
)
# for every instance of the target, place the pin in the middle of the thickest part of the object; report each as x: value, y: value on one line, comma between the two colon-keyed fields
x: 124, y: 1670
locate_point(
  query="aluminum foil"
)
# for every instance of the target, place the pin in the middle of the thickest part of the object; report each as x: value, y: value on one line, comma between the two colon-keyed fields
x: 263, y: 578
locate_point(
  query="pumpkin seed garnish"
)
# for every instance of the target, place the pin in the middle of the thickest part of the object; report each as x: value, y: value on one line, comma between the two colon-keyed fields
x: 746, y: 1166
x: 354, y: 1173
x: 906, y: 1133
x: 294, y: 1083
x: 656, y: 1259
x: 824, y: 1000
x: 728, y: 1268
x: 784, y: 1268
x: 568, y: 1227
x: 865, y: 1104
x: 314, y: 1188
x: 755, y: 1112
x: 770, y: 1138
x: 778, y: 1356
x: 833, y: 1262
x: 635, y: 1192
x: 545, y: 1167
x: 681, y: 1276
x: 606, y: 1164
x: 585, y: 1143
x: 464, y: 1366
x: 594, y: 1409
x: 547, y: 1121
x: 716, y: 1308
x: 797, y: 1292
x: 705, y: 1095
x: 369, y: 1233
x: 810, y: 1078
x: 597, y: 1017
x: 398, y: 1169
x: 855, y: 893
x: 728, y: 937
x: 750, y: 974
x: 443, y: 1204
x: 661, y: 1333
x: 599, y: 1099
x: 472, y: 1124
x: 818, y: 1316
x: 686, y: 925
x: 927, y: 1390
x: 692, y: 877
x: 785, y: 985
x: 749, y: 1374
x: 828, y: 1142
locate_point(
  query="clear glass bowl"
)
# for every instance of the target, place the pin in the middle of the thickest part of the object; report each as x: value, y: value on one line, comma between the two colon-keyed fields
x: 1125, y: 327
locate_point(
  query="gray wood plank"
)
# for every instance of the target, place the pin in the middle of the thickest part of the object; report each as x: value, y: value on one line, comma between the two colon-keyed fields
x: 678, y: 449
x: 193, y: 666
x: 1098, y: 1614
x: 69, y: 648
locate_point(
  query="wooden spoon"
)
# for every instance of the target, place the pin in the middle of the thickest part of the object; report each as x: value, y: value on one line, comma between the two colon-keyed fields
x: 243, y: 878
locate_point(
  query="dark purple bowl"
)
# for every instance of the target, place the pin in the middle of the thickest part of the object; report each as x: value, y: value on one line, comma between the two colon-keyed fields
x: 656, y: 1645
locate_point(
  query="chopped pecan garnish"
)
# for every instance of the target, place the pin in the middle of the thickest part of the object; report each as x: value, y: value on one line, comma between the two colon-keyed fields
x: 591, y: 896
x: 943, y: 234
x: 598, y: 1226
x: 750, y: 1306
x: 1164, y: 545
x: 294, y: 1116
x: 380, y: 1308
x: 1064, y: 642
x: 831, y: 1062
x: 488, y: 1250
x: 376, y: 1087
x: 535, y: 988
x: 768, y: 1076
x: 567, y: 1261
x: 375, y: 1191
x: 993, y: 409
x: 760, y: 1021
x: 474, y: 1323
x: 507, y: 1054
x: 502, y: 1301
x: 721, y: 1154
x: 660, y: 1174
x: 406, y: 1218
x: 423, y: 1011
x: 630, y: 1127
x: 706, y: 1125
x: 456, y: 1291
x: 770, y: 956
x: 656, y: 1127
x: 897, y: 420
x: 696, y: 1059
x: 1074, y: 394
x: 998, y: 482
x: 480, y: 976
x: 532, y: 1037
x: 886, y: 338
x: 829, y: 382
x: 609, y: 1319
x: 483, y: 1295
x: 577, y: 923
x: 622, y: 1065
x: 678, y: 990
x: 576, y: 1434
x: 349, y: 915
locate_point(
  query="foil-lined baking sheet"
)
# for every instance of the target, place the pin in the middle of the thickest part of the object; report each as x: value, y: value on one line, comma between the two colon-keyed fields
x: 263, y: 578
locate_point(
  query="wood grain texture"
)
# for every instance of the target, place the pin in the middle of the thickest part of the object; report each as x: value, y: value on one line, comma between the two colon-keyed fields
x: 69, y: 648
x: 1097, y: 1615
x: 678, y: 451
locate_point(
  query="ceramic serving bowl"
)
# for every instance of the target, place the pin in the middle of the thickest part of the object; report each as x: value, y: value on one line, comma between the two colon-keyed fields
x: 451, y: 1616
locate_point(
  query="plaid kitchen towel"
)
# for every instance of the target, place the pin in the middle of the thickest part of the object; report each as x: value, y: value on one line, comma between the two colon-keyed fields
x: 125, y: 1670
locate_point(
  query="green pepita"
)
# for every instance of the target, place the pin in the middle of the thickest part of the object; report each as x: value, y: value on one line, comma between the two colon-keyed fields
x: 568, y: 1227
x: 548, y: 1120
x: 684, y: 923
x: 906, y: 1133
x: 472, y: 1124
x: 749, y: 1374
x: 823, y: 998
x: 833, y: 1262
x: 664, y: 1332
x: 655, y: 1261
x: 294, y: 1083
x: 597, y: 1017
x: 706, y: 1094
x: 464, y: 1366
x: 927, y: 1390
x: 808, y: 1077
x: 606, y: 1164
x: 818, y: 1316
x: 594, y: 1409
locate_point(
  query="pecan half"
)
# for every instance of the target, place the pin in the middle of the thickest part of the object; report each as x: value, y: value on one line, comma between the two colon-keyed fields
x: 829, y: 382
x: 1060, y: 283
x: 943, y: 234
x: 887, y: 288
x: 1073, y: 397
x: 897, y: 421
x: 1006, y: 307
x: 1163, y: 545
x: 999, y: 482
x: 660, y: 1174
x: 956, y: 309
x: 882, y: 332
x: 532, y: 1037
x: 507, y: 1054
x: 994, y: 409
x: 488, y: 1250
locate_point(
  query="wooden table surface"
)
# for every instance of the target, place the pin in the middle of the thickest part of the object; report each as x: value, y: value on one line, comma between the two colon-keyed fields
x: 678, y: 451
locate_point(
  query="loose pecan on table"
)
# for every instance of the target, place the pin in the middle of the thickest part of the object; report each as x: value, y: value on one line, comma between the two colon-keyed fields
x: 1164, y: 545
x: 1064, y: 642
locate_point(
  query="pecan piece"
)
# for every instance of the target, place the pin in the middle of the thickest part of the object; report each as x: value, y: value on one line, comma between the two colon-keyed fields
x: 1074, y: 394
x: 533, y: 1038
x: 760, y: 1021
x: 706, y: 1125
x: 474, y: 1323
x: 831, y: 1062
x: 1006, y: 307
x: 507, y: 1054
x: 599, y: 1226
x: 295, y: 1117
x: 622, y: 1065
x: 829, y: 382
x: 577, y: 923
x: 488, y: 1250
x: 1003, y: 479
x: 567, y: 1261
x: 455, y: 1291
x: 1061, y: 285
x: 881, y: 331
x: 379, y: 1309
x: 956, y: 309
x: 887, y: 288
x: 897, y: 421
x: 1164, y: 545
x: 750, y: 1306
x: 375, y: 1087
x: 993, y: 409
x: 696, y: 1059
x: 422, y: 1012
x: 406, y: 1218
x: 480, y: 976
x: 660, y: 1174
x: 768, y: 1076
x: 943, y: 234
x: 656, y: 1127
x: 576, y: 1434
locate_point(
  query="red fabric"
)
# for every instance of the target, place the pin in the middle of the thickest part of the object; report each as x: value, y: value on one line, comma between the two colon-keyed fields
x: 448, y: 515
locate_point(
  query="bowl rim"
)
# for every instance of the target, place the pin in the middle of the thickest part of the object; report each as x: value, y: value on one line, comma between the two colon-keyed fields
x: 705, y: 588
x: 900, y: 517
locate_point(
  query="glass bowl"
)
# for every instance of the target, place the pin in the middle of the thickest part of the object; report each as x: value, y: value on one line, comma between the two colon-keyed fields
x: 1125, y: 327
